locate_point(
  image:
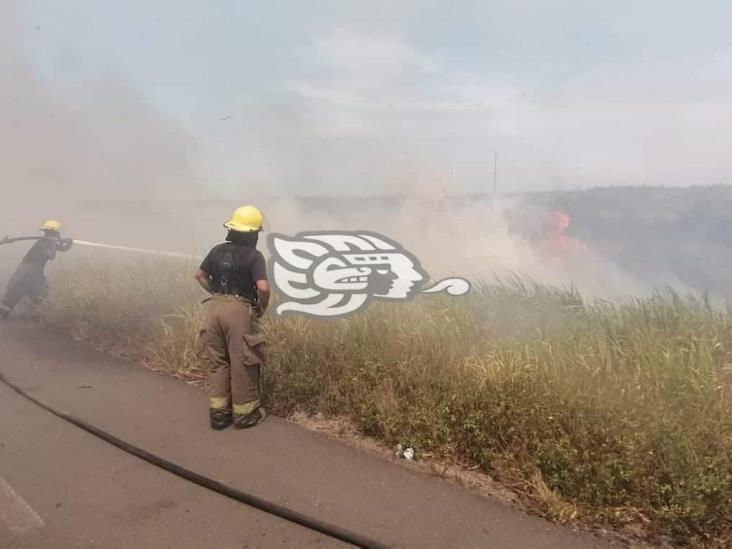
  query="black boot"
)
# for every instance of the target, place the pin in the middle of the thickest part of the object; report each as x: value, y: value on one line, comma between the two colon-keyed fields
x: 220, y: 419
x: 250, y: 420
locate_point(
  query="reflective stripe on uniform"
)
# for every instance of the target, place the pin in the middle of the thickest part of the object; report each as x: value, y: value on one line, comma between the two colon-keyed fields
x: 219, y: 402
x: 246, y: 408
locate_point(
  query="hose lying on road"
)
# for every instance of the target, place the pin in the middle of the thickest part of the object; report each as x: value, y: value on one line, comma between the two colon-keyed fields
x: 237, y: 495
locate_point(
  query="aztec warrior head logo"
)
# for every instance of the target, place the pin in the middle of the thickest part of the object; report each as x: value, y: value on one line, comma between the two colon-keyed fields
x: 331, y: 274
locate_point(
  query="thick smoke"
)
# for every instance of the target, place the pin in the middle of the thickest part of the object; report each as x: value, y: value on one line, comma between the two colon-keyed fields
x: 71, y: 157
x: 116, y: 170
x: 481, y: 238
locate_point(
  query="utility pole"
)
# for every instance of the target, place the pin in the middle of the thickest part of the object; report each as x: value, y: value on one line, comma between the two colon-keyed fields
x: 495, y: 173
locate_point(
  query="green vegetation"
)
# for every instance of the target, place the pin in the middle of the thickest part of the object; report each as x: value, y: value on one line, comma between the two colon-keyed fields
x: 604, y: 411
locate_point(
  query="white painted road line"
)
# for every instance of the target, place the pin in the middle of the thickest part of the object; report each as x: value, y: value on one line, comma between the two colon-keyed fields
x: 15, y: 513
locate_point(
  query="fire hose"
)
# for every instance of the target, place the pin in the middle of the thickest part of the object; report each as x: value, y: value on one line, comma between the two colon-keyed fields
x: 9, y: 240
x: 64, y: 244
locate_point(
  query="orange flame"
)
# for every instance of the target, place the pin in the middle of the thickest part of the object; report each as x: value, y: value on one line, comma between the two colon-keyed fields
x: 556, y: 242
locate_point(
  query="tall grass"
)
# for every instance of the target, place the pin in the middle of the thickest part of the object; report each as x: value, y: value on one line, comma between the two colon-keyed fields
x: 617, y: 411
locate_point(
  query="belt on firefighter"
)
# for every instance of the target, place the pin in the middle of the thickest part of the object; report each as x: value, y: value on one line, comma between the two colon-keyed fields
x: 230, y: 296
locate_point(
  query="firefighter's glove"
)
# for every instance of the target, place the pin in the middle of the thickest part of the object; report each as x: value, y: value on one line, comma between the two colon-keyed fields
x: 65, y: 244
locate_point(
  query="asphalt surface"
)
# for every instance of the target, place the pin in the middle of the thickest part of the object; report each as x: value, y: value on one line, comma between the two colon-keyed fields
x: 61, y: 487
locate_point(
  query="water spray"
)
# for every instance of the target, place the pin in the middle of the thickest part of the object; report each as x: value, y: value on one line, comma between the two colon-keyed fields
x: 66, y: 244
x: 134, y: 250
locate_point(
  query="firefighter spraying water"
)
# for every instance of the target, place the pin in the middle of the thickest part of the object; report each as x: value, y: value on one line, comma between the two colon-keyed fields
x: 29, y: 278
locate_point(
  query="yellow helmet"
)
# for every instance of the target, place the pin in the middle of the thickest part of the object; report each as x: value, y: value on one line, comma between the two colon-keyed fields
x: 51, y: 225
x: 246, y: 219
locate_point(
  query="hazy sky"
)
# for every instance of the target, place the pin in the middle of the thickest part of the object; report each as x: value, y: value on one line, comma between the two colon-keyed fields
x: 340, y: 96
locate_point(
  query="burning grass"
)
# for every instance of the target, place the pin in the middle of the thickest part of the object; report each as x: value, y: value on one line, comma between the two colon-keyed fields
x: 597, y: 410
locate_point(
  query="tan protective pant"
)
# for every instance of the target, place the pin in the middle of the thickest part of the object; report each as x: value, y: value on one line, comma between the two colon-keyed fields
x: 235, y: 354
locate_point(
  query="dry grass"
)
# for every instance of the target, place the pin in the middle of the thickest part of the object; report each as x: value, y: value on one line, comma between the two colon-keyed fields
x: 616, y: 412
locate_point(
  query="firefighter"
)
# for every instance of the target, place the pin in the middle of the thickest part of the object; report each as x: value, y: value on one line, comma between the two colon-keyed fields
x: 235, y: 275
x: 29, y: 279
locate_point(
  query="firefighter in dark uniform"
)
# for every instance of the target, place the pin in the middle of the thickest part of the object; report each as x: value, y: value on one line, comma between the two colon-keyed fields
x: 235, y: 274
x: 29, y: 279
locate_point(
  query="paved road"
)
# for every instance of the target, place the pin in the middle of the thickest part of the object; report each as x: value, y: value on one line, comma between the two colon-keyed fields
x: 61, y: 487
